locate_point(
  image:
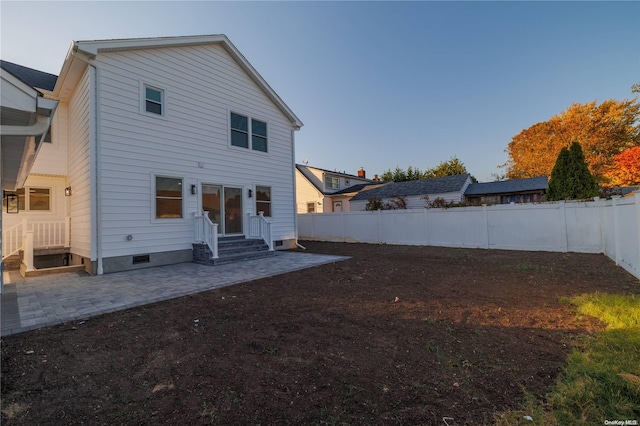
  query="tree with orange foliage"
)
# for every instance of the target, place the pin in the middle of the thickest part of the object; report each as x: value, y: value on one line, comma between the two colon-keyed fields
x: 603, y: 131
x: 625, y: 170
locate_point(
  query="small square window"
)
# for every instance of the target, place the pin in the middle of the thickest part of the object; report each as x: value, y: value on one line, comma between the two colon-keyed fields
x: 153, y: 100
x: 331, y: 182
x: 311, y: 207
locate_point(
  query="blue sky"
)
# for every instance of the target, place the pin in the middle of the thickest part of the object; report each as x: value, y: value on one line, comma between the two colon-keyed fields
x: 381, y: 84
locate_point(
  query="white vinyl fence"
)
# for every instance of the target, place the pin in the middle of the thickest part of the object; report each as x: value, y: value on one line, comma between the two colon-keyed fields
x: 611, y: 227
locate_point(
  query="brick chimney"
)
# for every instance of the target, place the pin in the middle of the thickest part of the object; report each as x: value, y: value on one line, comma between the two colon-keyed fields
x: 362, y: 173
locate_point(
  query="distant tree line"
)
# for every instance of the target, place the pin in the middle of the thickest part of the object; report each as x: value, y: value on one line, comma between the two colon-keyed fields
x: 451, y: 167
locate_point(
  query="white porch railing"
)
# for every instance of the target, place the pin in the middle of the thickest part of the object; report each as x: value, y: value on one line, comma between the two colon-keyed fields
x: 45, y: 234
x: 260, y: 227
x: 207, y: 232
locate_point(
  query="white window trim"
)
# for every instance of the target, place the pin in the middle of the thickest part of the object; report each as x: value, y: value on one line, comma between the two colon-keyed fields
x: 249, y: 132
x: 143, y: 99
x: 255, y: 203
x: 332, y: 178
x: 154, y: 218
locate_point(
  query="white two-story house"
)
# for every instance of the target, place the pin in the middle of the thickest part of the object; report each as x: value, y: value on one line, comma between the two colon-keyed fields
x: 149, y: 134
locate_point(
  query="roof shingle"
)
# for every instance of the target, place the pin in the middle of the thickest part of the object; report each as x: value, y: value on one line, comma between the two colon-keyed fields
x: 415, y: 187
x: 34, y: 78
x: 508, y: 186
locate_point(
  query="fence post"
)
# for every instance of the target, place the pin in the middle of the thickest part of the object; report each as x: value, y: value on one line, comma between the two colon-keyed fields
x: 486, y: 225
x: 637, y: 197
x: 616, y: 231
x: 563, y: 231
x: 27, y: 244
x: 379, y: 226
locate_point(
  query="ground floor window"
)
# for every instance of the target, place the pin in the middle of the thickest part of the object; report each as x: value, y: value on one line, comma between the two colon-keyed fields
x: 168, y: 195
x: 27, y: 199
x: 311, y: 207
x: 263, y: 200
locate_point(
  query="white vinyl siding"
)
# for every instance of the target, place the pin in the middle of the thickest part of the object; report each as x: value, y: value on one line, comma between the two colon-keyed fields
x: 204, y: 84
x: 52, y: 157
x: 306, y: 193
x: 79, y: 129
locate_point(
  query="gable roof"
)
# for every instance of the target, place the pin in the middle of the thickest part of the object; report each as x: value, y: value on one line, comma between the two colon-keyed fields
x: 89, y: 49
x: 29, y: 76
x: 508, y: 186
x: 304, y: 170
x: 333, y: 172
x: 416, y: 187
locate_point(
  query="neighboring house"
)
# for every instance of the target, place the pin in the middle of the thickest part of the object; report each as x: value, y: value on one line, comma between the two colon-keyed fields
x: 25, y: 117
x: 530, y: 190
x: 323, y: 191
x: 148, y: 134
x: 416, y: 193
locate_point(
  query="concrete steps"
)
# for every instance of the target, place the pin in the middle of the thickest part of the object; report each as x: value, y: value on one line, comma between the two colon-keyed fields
x: 12, y: 263
x: 231, y: 249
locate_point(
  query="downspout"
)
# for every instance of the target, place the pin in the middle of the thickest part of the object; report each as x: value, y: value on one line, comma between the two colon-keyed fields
x: 95, y: 183
x: 293, y: 173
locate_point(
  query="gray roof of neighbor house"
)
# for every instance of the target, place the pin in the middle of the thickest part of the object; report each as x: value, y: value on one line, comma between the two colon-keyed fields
x: 31, y: 77
x: 333, y: 172
x: 415, y: 187
x: 357, y: 188
x: 508, y: 186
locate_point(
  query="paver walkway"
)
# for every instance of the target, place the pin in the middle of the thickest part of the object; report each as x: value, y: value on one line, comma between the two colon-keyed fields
x: 49, y: 300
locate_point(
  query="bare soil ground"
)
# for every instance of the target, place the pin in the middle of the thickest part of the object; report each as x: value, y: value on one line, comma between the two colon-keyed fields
x: 395, y: 335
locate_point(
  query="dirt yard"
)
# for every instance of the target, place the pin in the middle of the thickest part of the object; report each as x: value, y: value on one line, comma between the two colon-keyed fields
x: 395, y: 335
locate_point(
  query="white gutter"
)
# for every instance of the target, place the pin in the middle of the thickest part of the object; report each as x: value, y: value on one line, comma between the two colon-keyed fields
x: 95, y: 182
x: 295, y: 204
x: 41, y: 126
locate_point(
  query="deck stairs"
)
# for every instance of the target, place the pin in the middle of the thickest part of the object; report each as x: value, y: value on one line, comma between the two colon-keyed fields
x: 233, y: 249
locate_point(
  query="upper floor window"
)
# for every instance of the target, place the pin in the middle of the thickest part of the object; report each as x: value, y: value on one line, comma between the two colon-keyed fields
x: 331, y: 182
x: 168, y: 197
x: 154, y: 100
x: 242, y: 127
x: 263, y: 200
x: 258, y: 135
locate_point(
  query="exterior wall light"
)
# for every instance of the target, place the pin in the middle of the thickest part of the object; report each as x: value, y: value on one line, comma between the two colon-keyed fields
x: 194, y: 189
x: 250, y: 193
x: 67, y: 191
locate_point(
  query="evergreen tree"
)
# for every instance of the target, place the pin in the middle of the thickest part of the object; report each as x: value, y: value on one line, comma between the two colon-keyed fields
x: 570, y: 177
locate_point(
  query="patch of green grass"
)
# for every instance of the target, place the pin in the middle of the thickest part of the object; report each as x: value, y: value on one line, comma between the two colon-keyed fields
x: 602, y: 378
x: 271, y: 350
x: 615, y: 310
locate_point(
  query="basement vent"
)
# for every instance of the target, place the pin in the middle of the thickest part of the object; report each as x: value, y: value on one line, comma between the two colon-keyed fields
x: 141, y: 258
x: 279, y: 243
